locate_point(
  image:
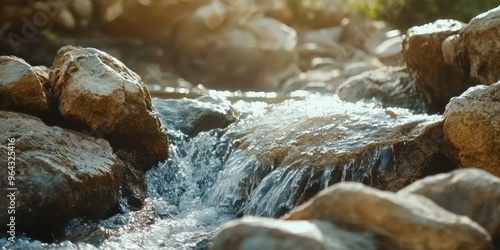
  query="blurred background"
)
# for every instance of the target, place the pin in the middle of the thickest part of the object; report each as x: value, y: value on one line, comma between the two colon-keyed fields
x: 270, y: 45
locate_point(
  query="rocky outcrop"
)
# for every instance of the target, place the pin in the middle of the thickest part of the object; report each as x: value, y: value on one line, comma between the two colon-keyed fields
x: 194, y: 116
x: 435, y: 79
x: 472, y: 125
x: 470, y: 192
x: 58, y: 174
x: 393, y: 87
x: 475, y: 49
x: 98, y: 95
x: 22, y: 87
x: 264, y: 233
x: 401, y: 221
x: 297, y: 148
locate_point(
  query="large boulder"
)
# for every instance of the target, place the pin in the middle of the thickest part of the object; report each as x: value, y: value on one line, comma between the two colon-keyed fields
x: 401, y: 221
x: 22, y: 87
x: 470, y: 192
x: 472, y: 125
x: 297, y: 148
x: 97, y: 94
x: 436, y: 80
x: 222, y: 44
x: 264, y: 233
x: 475, y: 49
x: 58, y: 174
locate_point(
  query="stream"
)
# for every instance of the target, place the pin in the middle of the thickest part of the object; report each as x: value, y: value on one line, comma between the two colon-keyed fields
x: 222, y: 174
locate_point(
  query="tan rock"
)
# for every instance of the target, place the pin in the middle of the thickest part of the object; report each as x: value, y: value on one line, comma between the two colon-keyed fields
x: 480, y: 46
x: 97, y: 94
x: 471, y: 192
x: 401, y: 221
x: 271, y: 234
x: 22, y: 87
x: 435, y: 79
x: 472, y: 125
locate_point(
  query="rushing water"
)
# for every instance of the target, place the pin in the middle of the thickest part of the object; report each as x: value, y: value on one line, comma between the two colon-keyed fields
x: 218, y: 175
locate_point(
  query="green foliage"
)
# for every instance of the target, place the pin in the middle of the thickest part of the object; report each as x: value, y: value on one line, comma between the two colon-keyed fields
x: 406, y: 13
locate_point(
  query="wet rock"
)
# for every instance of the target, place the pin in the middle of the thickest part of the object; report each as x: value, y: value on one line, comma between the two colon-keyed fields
x: 470, y: 192
x: 472, y: 125
x: 97, y: 94
x: 435, y: 79
x: 194, y: 116
x: 264, y: 233
x: 59, y: 175
x: 297, y: 148
x: 22, y: 87
x: 475, y: 49
x: 392, y: 87
x: 401, y: 221
x: 222, y: 44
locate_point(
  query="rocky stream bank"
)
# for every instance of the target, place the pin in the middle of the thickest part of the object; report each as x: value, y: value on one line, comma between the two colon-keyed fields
x: 371, y: 139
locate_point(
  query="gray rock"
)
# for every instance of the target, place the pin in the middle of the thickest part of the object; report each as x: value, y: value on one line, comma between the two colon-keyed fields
x: 401, y: 221
x: 264, y: 233
x: 222, y: 44
x: 22, y: 87
x: 194, y: 116
x: 472, y: 125
x: 435, y: 79
x: 391, y: 86
x: 98, y: 95
x: 59, y: 175
x: 470, y: 192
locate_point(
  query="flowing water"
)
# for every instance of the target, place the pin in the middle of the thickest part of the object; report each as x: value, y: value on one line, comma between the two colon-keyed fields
x: 221, y: 174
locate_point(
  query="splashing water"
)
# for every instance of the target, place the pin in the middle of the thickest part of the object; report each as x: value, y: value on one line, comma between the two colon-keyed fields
x: 273, y: 158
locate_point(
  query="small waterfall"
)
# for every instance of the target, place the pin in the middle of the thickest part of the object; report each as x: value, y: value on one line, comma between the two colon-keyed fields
x: 274, y: 158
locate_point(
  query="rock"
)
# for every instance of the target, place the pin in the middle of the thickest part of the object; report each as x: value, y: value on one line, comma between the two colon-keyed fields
x: 297, y: 148
x: 22, y: 87
x: 472, y: 125
x: 392, y: 87
x: 319, y: 14
x: 278, y: 9
x: 265, y: 233
x: 401, y: 221
x: 470, y: 192
x: 357, y: 29
x: 97, y: 94
x: 434, y: 78
x: 222, y: 44
x: 386, y: 45
x: 194, y: 116
x: 59, y: 175
x: 477, y: 48
x: 155, y: 20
